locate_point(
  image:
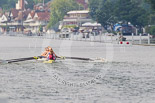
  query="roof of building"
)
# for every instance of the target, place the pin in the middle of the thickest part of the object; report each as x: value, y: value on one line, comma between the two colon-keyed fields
x: 22, y: 15
x: 4, y: 17
x: 45, y: 16
x: 14, y: 12
x: 32, y: 13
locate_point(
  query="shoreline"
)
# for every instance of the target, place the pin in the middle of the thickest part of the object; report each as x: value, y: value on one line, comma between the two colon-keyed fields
x: 107, y: 39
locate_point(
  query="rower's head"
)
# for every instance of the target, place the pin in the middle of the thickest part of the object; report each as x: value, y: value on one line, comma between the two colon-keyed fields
x: 50, y: 49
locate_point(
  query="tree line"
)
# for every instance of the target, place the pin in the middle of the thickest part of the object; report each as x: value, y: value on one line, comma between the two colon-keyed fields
x: 140, y: 13
x: 108, y: 12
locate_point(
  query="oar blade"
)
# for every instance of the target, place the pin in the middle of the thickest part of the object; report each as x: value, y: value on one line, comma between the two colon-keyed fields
x: 3, y: 62
x: 77, y: 58
x: 19, y: 60
x: 87, y: 59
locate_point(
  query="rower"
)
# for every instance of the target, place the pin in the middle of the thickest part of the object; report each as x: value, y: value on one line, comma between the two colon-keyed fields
x: 50, y: 49
x: 51, y: 55
x: 45, y: 53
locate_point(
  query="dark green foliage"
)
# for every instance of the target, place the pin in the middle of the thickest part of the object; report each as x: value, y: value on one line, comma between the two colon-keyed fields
x: 152, y: 19
x: 152, y: 2
x: 59, y: 9
x: 102, y: 11
x: 8, y: 4
x: 151, y: 30
x: 130, y: 12
x: 112, y: 11
x: 41, y: 28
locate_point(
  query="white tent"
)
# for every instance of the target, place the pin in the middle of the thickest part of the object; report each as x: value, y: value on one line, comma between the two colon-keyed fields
x: 91, y: 24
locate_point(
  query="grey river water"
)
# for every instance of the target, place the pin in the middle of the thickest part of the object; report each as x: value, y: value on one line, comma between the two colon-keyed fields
x: 128, y: 76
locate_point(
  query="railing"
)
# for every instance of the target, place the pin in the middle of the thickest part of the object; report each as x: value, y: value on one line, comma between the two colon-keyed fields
x: 15, y: 23
x: 37, y: 24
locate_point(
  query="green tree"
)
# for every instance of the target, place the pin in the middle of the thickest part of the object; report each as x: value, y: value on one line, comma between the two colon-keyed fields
x: 102, y: 11
x: 40, y: 1
x: 40, y: 28
x: 8, y: 4
x: 151, y: 30
x: 111, y: 11
x: 152, y: 19
x: 129, y: 11
x: 30, y: 4
x: 59, y: 9
x: 152, y: 2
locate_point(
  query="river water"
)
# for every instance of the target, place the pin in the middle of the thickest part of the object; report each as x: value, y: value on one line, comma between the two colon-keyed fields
x: 126, y: 77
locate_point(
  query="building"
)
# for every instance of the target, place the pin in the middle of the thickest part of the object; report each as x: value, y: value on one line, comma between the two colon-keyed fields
x: 14, y: 20
x: 20, y: 20
x: 75, y: 18
x: 35, y: 20
x: 20, y: 5
x: 3, y: 22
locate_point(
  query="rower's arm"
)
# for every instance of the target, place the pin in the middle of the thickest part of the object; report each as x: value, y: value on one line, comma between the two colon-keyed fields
x: 56, y: 55
x: 44, y: 54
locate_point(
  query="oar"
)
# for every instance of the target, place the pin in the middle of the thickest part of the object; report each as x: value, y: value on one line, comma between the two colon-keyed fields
x: 77, y: 58
x: 19, y: 60
x: 35, y: 57
x: 87, y: 59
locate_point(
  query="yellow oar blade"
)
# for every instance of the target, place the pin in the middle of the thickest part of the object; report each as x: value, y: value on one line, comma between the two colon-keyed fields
x: 36, y: 57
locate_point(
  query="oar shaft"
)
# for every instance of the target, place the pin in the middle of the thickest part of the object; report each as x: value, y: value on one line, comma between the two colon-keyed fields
x: 21, y: 59
x: 24, y: 58
x: 78, y: 58
x: 14, y: 61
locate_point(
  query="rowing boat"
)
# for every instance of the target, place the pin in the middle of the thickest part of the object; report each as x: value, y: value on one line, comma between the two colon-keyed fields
x: 44, y: 60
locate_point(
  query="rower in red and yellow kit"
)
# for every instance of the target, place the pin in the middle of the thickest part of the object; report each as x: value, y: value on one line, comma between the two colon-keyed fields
x: 49, y: 54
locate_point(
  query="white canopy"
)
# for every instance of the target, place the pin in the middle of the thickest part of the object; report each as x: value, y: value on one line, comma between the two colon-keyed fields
x: 91, y: 24
x: 78, y: 12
